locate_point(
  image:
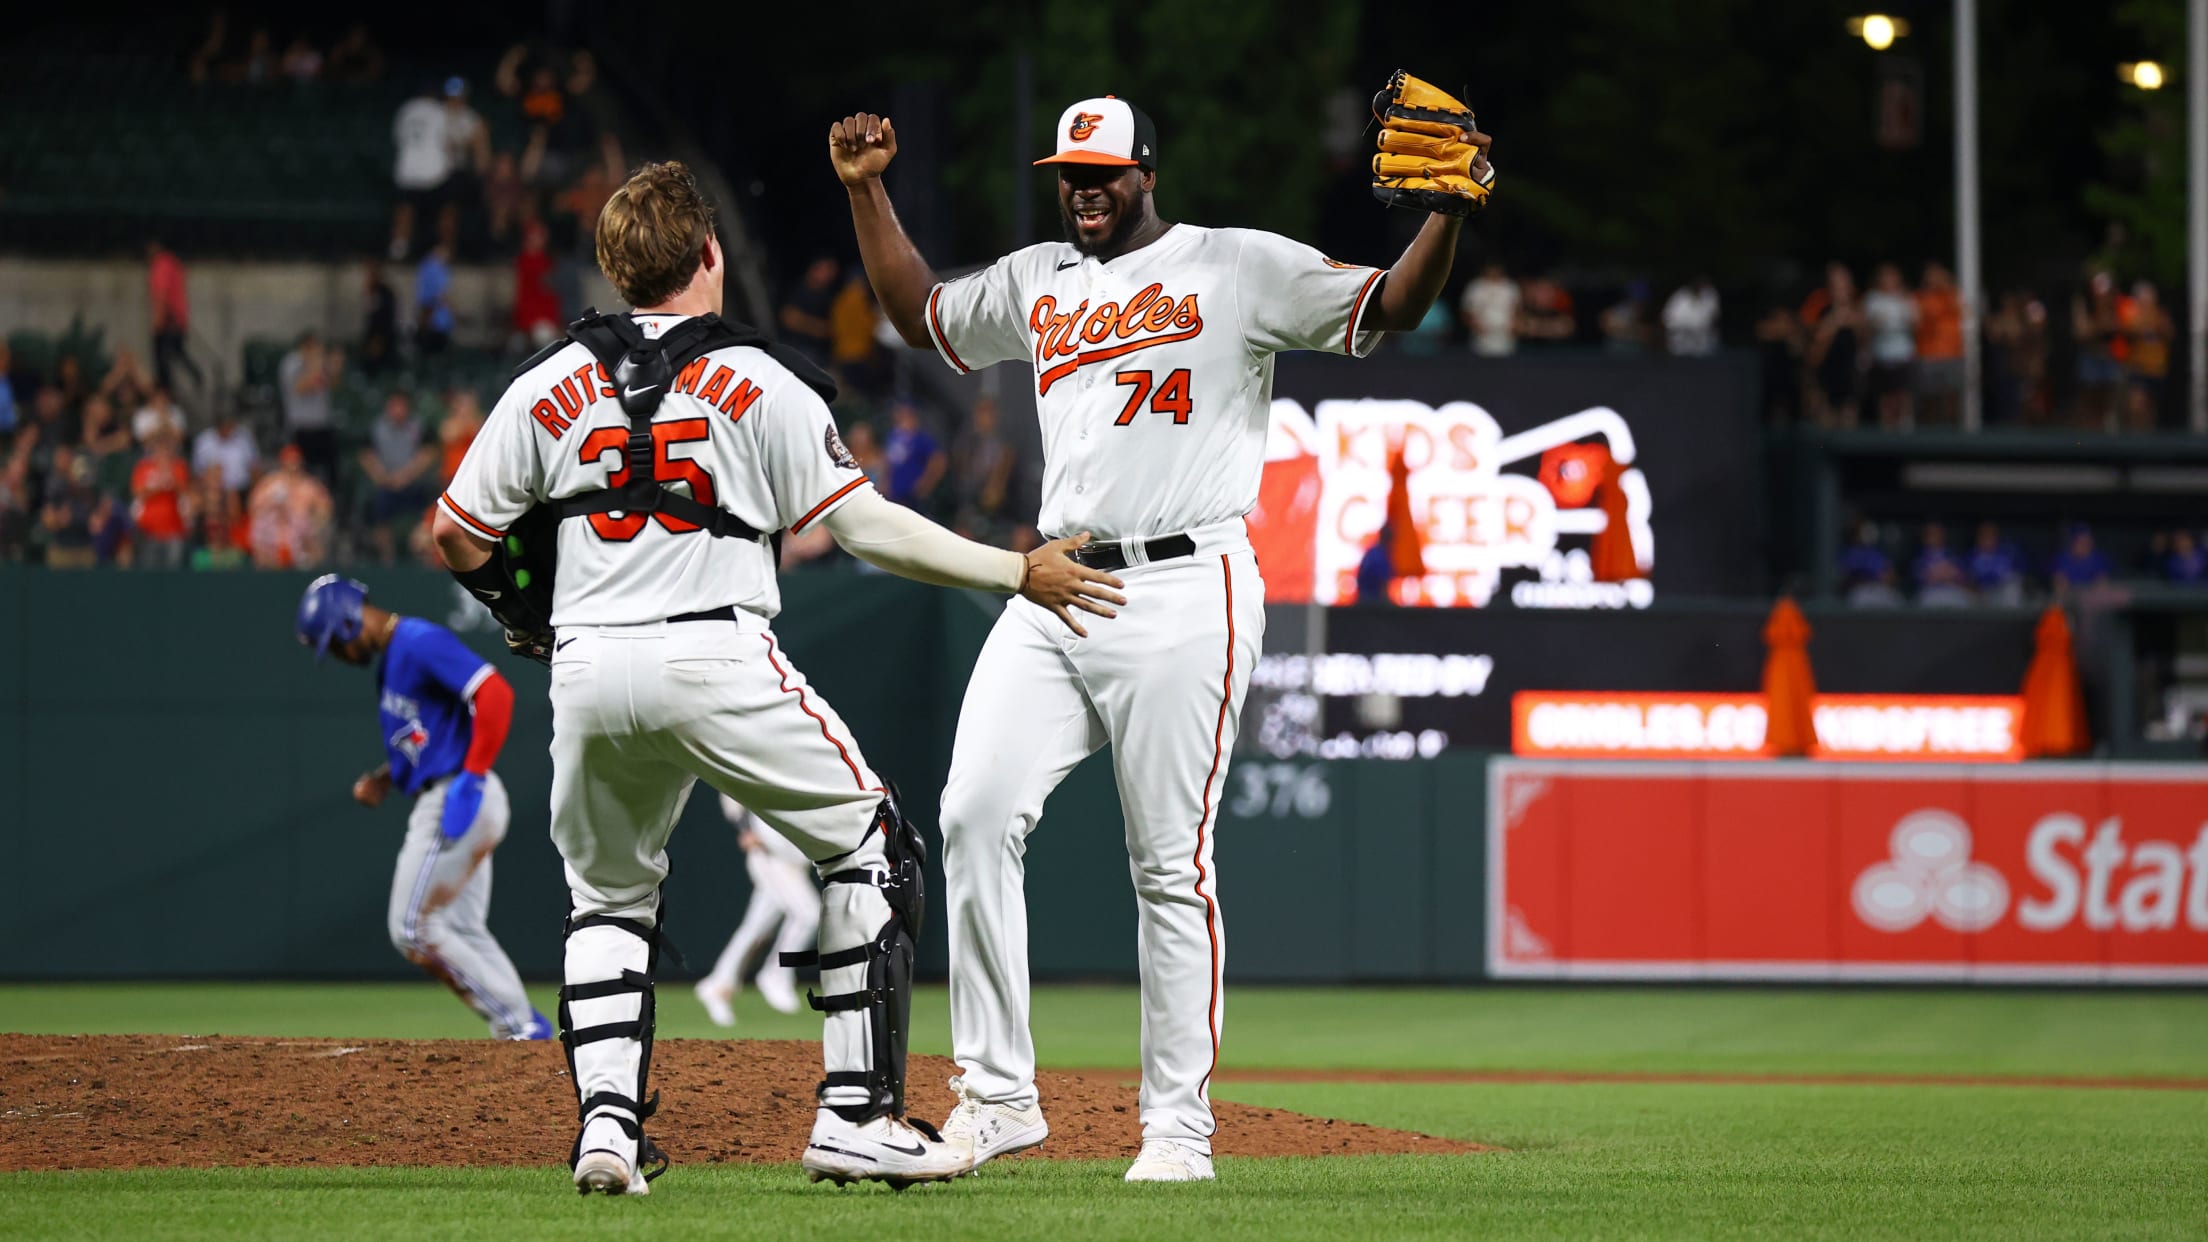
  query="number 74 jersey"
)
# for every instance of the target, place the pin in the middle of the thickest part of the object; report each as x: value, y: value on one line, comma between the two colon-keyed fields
x: 1154, y: 371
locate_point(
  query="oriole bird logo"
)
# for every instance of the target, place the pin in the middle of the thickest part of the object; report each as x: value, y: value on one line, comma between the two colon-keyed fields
x: 1084, y: 124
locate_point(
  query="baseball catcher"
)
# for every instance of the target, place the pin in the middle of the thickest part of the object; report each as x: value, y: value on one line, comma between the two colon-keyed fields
x: 1432, y: 155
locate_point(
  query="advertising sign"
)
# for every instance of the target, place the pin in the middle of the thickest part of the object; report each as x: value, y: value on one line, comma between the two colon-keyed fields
x: 2094, y: 872
x: 1513, y: 469
x: 1596, y: 725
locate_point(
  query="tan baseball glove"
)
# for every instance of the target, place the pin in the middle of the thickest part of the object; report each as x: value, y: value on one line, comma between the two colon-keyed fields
x: 1432, y: 155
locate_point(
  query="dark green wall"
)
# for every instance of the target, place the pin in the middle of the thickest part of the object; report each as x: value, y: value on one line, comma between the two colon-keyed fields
x: 175, y: 773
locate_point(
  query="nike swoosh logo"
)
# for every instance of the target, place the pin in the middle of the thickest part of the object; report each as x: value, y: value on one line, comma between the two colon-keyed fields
x: 489, y: 594
x: 562, y: 645
x: 633, y: 393
x: 914, y: 1150
x: 1069, y: 263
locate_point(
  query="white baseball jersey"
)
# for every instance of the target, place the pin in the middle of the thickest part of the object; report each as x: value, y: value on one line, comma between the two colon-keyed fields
x: 1153, y: 371
x: 736, y: 430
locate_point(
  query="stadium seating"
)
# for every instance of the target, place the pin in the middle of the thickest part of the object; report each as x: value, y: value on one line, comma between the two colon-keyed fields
x: 127, y: 146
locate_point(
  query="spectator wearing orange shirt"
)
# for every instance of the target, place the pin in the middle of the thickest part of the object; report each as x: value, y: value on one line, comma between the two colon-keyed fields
x: 172, y: 314
x: 2148, y: 330
x: 159, y: 499
x: 1940, y: 347
x: 463, y: 419
x: 851, y: 344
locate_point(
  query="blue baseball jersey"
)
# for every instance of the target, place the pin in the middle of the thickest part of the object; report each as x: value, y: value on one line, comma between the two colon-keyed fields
x: 423, y: 687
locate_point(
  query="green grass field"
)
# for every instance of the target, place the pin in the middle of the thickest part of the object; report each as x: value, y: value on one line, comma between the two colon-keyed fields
x: 1598, y: 1158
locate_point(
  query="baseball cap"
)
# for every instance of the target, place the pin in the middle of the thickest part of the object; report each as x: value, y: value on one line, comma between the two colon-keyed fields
x: 1107, y: 130
x: 456, y: 86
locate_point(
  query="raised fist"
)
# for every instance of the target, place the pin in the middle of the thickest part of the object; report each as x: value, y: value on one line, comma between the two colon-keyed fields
x: 861, y: 146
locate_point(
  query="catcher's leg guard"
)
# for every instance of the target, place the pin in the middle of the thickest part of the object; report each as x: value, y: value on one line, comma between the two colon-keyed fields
x: 870, y: 914
x: 607, y: 1015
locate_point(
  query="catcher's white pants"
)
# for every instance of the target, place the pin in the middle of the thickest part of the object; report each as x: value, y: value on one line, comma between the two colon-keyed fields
x: 640, y: 713
x: 441, y: 903
x: 1163, y: 683
x: 784, y: 909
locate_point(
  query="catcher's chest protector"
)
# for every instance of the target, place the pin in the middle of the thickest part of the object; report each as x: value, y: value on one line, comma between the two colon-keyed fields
x: 642, y: 370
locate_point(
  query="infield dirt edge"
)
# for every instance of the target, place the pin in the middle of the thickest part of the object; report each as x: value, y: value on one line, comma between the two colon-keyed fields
x: 164, y: 1101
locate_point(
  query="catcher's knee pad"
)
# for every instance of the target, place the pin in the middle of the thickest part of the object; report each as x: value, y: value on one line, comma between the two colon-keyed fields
x: 872, y: 924
x: 608, y: 959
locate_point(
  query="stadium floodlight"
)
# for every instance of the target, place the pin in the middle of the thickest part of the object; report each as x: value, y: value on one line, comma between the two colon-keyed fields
x: 2147, y: 75
x: 1878, y: 30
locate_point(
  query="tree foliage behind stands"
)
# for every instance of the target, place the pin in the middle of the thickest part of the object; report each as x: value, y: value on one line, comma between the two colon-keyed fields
x: 1239, y: 93
x: 2144, y: 193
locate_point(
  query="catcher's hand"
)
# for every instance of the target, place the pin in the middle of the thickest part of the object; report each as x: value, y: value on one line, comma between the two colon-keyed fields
x: 531, y: 644
x: 1432, y: 154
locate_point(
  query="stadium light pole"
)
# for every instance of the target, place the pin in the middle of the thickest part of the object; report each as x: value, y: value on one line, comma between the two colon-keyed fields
x: 1969, y: 274
x: 2196, y: 206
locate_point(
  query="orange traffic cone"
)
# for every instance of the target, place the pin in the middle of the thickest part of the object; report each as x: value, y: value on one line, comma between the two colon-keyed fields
x: 2054, y: 707
x: 1788, y: 686
x: 1407, y: 551
x: 1612, y: 555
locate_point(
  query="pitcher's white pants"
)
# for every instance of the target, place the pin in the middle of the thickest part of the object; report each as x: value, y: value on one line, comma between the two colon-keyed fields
x: 440, y: 907
x: 640, y: 713
x: 1163, y: 683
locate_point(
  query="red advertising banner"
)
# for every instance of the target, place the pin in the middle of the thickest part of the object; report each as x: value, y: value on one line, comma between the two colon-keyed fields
x: 1585, y: 724
x: 1825, y: 871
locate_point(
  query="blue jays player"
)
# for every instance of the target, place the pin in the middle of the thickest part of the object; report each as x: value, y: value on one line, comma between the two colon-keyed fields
x: 444, y: 715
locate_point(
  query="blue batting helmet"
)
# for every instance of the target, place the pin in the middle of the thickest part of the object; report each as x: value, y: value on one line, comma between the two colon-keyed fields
x: 330, y: 612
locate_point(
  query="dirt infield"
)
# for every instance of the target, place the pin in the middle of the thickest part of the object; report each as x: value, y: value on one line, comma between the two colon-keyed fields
x: 130, y: 1101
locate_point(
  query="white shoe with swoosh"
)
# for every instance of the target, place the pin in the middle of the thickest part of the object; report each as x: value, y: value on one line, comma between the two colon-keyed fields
x: 885, y: 1149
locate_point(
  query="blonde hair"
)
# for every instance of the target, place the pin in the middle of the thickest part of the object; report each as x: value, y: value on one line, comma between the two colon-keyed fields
x: 652, y: 233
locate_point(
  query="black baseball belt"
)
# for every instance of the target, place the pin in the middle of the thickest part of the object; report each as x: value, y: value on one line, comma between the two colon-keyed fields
x: 725, y: 612
x: 1112, y: 556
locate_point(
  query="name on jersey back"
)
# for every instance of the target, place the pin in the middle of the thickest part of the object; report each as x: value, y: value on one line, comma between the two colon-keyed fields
x: 574, y: 396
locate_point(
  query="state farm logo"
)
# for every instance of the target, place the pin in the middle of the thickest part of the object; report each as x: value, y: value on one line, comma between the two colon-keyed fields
x: 1931, y: 876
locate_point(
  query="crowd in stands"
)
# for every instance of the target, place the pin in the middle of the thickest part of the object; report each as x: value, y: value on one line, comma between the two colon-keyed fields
x: 1498, y: 315
x: 1876, y: 571
x: 1889, y: 356
x: 99, y: 463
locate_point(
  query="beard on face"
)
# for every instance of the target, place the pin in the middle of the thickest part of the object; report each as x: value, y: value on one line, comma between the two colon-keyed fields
x: 1123, y: 229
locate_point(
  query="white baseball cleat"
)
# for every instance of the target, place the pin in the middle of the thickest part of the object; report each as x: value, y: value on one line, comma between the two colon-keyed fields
x: 1163, y: 1160
x: 719, y: 1001
x: 778, y: 991
x: 992, y: 1130
x: 608, y: 1174
x: 885, y: 1149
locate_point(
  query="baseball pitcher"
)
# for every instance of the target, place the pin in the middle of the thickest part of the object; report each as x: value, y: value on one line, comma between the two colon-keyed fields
x: 1152, y: 346
x: 654, y: 451
x: 444, y: 714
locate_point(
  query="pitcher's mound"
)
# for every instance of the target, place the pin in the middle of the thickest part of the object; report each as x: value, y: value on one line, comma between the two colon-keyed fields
x: 129, y: 1101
